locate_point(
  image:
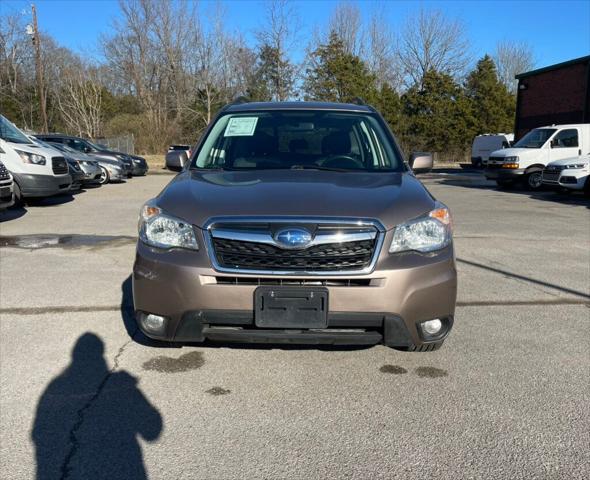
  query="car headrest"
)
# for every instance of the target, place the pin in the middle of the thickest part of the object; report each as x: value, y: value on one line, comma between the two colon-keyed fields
x: 336, y: 143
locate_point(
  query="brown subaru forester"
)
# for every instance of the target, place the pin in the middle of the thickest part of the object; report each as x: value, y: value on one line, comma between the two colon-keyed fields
x: 300, y: 223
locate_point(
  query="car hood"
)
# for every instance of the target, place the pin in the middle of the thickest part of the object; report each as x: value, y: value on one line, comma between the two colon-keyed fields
x: 391, y: 198
x: 585, y: 159
x: 515, y: 152
x: 37, y: 149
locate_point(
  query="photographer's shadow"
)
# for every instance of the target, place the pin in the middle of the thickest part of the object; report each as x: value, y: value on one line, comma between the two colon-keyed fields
x: 88, y: 420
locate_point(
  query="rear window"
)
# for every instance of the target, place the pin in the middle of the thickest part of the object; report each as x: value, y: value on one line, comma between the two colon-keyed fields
x: 284, y: 140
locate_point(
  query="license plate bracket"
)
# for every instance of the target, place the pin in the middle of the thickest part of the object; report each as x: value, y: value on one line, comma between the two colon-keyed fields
x: 291, y: 307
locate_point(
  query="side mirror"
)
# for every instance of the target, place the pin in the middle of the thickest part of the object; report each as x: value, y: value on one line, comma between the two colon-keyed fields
x: 421, y: 162
x: 554, y: 143
x: 87, y: 150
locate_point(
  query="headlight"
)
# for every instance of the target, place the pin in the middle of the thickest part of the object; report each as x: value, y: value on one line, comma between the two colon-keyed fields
x: 136, y: 160
x: 163, y: 231
x: 573, y: 166
x: 424, y: 234
x: 511, y: 159
x: 33, y: 158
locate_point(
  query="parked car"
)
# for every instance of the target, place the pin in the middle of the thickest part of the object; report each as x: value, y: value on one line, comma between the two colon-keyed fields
x: 485, y: 144
x: 89, y: 166
x: 37, y: 172
x: 140, y: 166
x: 86, y: 146
x: 533, y: 152
x: 76, y: 173
x: 111, y: 169
x: 6, y: 188
x: 569, y: 173
x: 297, y: 222
x: 177, y: 156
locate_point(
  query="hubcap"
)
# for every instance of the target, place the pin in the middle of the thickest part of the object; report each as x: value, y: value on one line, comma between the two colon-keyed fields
x: 535, y: 180
x: 103, y: 175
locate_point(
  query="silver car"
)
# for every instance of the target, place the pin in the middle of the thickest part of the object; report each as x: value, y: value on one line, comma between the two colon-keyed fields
x: 89, y: 166
x: 109, y: 170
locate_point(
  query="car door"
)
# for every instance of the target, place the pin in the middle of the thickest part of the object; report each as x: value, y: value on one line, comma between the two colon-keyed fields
x: 564, y: 144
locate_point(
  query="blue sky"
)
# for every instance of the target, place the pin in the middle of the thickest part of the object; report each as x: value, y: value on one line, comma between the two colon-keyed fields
x: 558, y: 31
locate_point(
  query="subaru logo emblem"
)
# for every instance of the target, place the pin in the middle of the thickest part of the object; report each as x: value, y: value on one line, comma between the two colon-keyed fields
x: 293, y: 238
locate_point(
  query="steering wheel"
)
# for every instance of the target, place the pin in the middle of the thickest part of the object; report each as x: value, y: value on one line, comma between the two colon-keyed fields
x: 341, y: 161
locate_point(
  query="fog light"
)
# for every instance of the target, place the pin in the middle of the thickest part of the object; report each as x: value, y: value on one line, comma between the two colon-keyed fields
x: 154, y: 323
x: 432, y: 327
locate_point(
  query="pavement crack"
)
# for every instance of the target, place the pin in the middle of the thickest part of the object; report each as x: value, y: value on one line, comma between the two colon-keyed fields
x: 81, y: 413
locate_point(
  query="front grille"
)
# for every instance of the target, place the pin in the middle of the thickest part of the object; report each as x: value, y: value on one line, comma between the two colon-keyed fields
x: 550, y: 176
x: 258, y: 247
x: 258, y: 256
x: 302, y: 282
x: 4, y: 174
x: 59, y: 165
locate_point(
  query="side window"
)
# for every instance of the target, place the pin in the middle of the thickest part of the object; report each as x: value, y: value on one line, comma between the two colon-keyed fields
x: 565, y: 139
x: 75, y: 144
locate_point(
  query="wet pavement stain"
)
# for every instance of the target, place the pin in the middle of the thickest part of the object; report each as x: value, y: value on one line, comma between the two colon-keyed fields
x: 36, y: 242
x: 184, y: 363
x: 393, y: 369
x: 218, y: 391
x: 431, y: 372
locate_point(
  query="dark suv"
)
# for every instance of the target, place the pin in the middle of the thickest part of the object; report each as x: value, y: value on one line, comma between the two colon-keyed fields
x: 133, y: 164
x: 296, y: 222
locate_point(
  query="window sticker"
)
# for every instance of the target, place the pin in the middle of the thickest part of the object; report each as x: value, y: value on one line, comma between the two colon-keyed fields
x: 241, y: 127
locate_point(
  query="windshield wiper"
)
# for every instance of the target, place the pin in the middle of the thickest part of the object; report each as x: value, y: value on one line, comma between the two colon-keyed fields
x: 319, y: 167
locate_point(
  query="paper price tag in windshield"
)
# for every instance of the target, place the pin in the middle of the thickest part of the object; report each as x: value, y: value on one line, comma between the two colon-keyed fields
x: 241, y: 127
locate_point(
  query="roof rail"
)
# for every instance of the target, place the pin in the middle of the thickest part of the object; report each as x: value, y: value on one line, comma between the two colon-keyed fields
x: 358, y: 101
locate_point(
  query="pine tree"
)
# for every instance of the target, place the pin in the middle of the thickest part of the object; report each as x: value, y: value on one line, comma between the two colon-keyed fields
x: 437, y: 115
x: 338, y: 76
x: 493, y: 106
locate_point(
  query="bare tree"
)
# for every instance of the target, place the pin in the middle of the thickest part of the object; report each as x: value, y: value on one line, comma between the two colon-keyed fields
x: 279, y: 35
x: 512, y: 58
x: 346, y: 21
x: 431, y: 41
x: 381, y: 55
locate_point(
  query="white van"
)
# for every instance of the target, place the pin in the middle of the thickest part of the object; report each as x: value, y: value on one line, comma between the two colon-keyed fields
x: 570, y: 173
x: 533, y: 152
x: 484, y: 145
x: 37, y: 172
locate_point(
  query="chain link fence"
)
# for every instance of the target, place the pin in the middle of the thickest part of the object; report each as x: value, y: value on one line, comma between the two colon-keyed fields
x: 124, y: 143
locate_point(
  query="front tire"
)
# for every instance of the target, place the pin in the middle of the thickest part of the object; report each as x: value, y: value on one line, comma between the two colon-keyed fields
x: 18, y: 196
x: 104, y: 176
x: 534, y: 180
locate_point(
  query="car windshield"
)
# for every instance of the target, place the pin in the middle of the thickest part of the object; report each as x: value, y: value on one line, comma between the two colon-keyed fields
x: 94, y: 146
x: 316, y: 140
x: 535, y: 138
x: 9, y: 133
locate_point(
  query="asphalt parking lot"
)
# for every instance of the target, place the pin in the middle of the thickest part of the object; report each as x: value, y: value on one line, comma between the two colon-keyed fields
x: 83, y: 396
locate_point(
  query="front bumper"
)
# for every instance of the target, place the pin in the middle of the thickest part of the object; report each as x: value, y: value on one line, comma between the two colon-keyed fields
x: 200, y: 303
x: 117, y: 175
x: 139, y: 170
x: 6, y: 194
x: 505, y: 174
x: 42, y: 185
x: 573, y: 179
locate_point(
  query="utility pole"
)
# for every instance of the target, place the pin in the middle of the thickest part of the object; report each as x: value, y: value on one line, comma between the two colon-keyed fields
x: 39, y: 69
